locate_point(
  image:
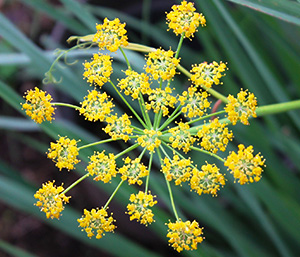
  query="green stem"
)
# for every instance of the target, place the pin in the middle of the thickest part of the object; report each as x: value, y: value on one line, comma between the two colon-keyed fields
x: 75, y: 183
x: 102, y: 142
x: 129, y: 106
x: 148, y: 177
x: 210, y: 90
x: 66, y: 105
x: 278, y: 108
x: 126, y: 150
x: 125, y: 57
x: 144, y: 111
x: 205, y: 117
x: 172, y: 117
x: 207, y: 152
x: 113, y: 194
x: 169, y: 188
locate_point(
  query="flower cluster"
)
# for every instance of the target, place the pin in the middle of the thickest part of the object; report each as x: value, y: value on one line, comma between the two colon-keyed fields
x: 51, y: 199
x: 139, y: 207
x: 38, y: 105
x: 96, y: 222
x: 166, y: 126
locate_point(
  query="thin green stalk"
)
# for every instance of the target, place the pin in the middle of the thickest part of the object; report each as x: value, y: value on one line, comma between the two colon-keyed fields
x: 66, y: 105
x: 157, y: 119
x: 113, y: 194
x: 137, y: 129
x: 206, y: 117
x: 75, y: 183
x: 148, y: 177
x: 129, y: 106
x: 278, y: 108
x: 207, y: 152
x: 125, y: 57
x: 143, y: 109
x: 177, y: 52
x: 169, y: 187
x: 102, y: 142
x: 171, y: 118
x: 126, y: 150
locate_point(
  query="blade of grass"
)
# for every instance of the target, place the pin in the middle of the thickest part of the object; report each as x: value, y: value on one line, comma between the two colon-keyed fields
x: 284, y: 10
x: 13, y: 250
x: 56, y: 14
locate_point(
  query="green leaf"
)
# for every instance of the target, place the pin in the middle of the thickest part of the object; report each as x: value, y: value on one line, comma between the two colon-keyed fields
x: 13, y: 250
x: 282, y: 9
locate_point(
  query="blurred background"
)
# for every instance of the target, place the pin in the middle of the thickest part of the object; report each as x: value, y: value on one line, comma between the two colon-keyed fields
x: 260, y: 42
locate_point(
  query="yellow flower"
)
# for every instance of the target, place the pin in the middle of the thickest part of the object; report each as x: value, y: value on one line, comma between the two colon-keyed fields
x: 181, y: 137
x: 184, y: 235
x: 184, y: 19
x: 38, y: 105
x: 161, y: 99
x: 111, y: 35
x: 96, y: 222
x: 51, y: 200
x: 242, y: 107
x: 98, y: 71
x: 96, y: 106
x: 194, y: 103
x: 161, y: 64
x: 118, y: 127
x: 103, y: 167
x: 139, y: 208
x: 150, y: 140
x: 135, y: 83
x: 244, y: 166
x: 133, y: 171
x: 208, y: 180
x: 64, y: 153
x: 205, y: 74
x: 177, y: 169
x: 214, y: 136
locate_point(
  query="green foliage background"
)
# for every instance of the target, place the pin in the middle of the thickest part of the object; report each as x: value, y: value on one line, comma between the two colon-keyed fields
x: 260, y: 42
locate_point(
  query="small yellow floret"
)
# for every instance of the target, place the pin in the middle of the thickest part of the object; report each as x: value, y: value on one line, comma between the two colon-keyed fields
x: 214, y: 136
x: 244, y: 166
x: 111, y: 35
x: 205, y: 74
x: 181, y: 137
x: 177, y: 169
x: 96, y: 106
x: 194, y: 104
x: 139, y: 208
x: 161, y: 64
x: 51, y: 200
x: 184, y: 235
x: 64, y: 153
x: 133, y: 171
x: 102, y: 166
x: 242, y: 107
x: 38, y: 105
x: 96, y: 222
x: 160, y: 100
x: 150, y: 140
x: 118, y: 127
x: 184, y: 20
x: 98, y: 71
x: 135, y: 83
x: 208, y: 180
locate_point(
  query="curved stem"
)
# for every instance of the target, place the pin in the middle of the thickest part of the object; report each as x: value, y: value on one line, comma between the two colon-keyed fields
x: 66, y: 105
x: 125, y: 57
x: 207, y: 152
